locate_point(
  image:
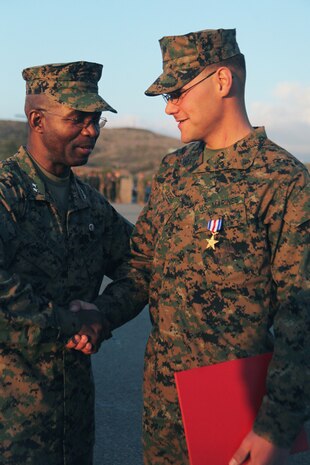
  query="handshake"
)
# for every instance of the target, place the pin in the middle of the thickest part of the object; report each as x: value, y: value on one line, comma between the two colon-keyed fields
x: 91, y: 326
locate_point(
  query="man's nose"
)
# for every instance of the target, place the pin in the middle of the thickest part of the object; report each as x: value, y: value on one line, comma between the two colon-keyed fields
x: 91, y: 128
x: 171, y: 108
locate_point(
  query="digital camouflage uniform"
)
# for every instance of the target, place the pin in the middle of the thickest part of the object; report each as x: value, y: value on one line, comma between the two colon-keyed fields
x: 210, y: 305
x: 46, y: 391
x: 214, y: 299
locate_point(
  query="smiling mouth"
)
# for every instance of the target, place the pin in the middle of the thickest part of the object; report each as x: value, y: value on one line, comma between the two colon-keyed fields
x: 86, y: 148
x: 180, y: 122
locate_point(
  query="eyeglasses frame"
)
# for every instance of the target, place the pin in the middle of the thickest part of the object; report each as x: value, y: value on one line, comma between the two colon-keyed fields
x: 175, y: 96
x: 81, y: 125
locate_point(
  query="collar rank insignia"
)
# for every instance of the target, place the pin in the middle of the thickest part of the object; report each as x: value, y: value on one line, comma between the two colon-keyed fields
x: 35, y: 187
x: 214, y: 226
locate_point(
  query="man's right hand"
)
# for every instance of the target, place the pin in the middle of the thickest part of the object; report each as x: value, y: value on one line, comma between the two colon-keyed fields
x: 256, y: 450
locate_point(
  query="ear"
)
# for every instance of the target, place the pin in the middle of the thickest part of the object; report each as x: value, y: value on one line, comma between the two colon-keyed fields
x: 35, y: 120
x: 224, y: 81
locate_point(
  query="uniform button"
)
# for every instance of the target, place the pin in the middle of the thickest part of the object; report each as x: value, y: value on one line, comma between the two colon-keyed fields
x: 91, y: 227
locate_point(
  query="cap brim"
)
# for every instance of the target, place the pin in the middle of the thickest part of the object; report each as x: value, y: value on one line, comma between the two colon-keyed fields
x: 169, y: 82
x: 89, y: 102
x: 164, y: 84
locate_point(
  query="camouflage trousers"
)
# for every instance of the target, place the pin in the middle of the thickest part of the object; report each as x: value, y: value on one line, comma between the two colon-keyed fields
x: 164, y: 443
x: 25, y: 455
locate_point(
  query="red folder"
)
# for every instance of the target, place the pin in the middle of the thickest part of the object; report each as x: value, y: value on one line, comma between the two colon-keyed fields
x: 219, y: 404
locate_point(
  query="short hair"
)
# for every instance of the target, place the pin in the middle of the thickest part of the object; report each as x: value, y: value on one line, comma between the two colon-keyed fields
x: 237, y: 66
x: 36, y: 101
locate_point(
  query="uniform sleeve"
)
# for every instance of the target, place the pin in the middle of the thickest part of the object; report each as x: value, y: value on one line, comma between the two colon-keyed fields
x: 119, y: 230
x: 123, y: 299
x: 286, y: 405
x: 25, y: 317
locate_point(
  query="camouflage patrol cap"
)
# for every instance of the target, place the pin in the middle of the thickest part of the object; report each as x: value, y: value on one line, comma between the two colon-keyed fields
x: 184, y: 57
x: 72, y: 84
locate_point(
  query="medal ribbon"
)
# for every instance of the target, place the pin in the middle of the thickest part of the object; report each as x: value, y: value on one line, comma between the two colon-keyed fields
x: 214, y: 225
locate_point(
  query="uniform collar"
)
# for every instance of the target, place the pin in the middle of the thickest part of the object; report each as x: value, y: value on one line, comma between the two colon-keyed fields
x: 36, y: 186
x: 238, y: 156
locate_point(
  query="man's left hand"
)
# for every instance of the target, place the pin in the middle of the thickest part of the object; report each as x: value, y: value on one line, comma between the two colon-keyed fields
x: 81, y: 343
x: 255, y: 450
x: 89, y: 337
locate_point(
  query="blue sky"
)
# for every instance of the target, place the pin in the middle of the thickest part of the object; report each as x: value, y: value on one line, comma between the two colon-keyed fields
x: 123, y: 35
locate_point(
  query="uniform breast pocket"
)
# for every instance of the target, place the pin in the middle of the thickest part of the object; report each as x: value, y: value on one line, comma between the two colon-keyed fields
x: 229, y: 254
x: 175, y: 242
x: 37, y: 257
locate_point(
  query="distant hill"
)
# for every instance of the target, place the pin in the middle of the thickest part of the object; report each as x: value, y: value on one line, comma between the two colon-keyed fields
x: 12, y: 135
x: 133, y: 149
x: 136, y: 150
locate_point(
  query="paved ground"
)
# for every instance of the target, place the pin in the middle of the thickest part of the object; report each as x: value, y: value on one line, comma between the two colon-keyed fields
x: 118, y: 369
x: 118, y: 376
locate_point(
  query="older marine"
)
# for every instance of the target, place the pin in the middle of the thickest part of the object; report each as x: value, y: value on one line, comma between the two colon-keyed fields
x: 58, y: 238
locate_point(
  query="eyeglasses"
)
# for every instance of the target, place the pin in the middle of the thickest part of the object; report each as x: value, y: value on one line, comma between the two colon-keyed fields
x: 79, y: 122
x: 177, y: 94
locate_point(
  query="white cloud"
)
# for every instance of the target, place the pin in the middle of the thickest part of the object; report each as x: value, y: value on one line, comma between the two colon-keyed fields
x: 286, y: 118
